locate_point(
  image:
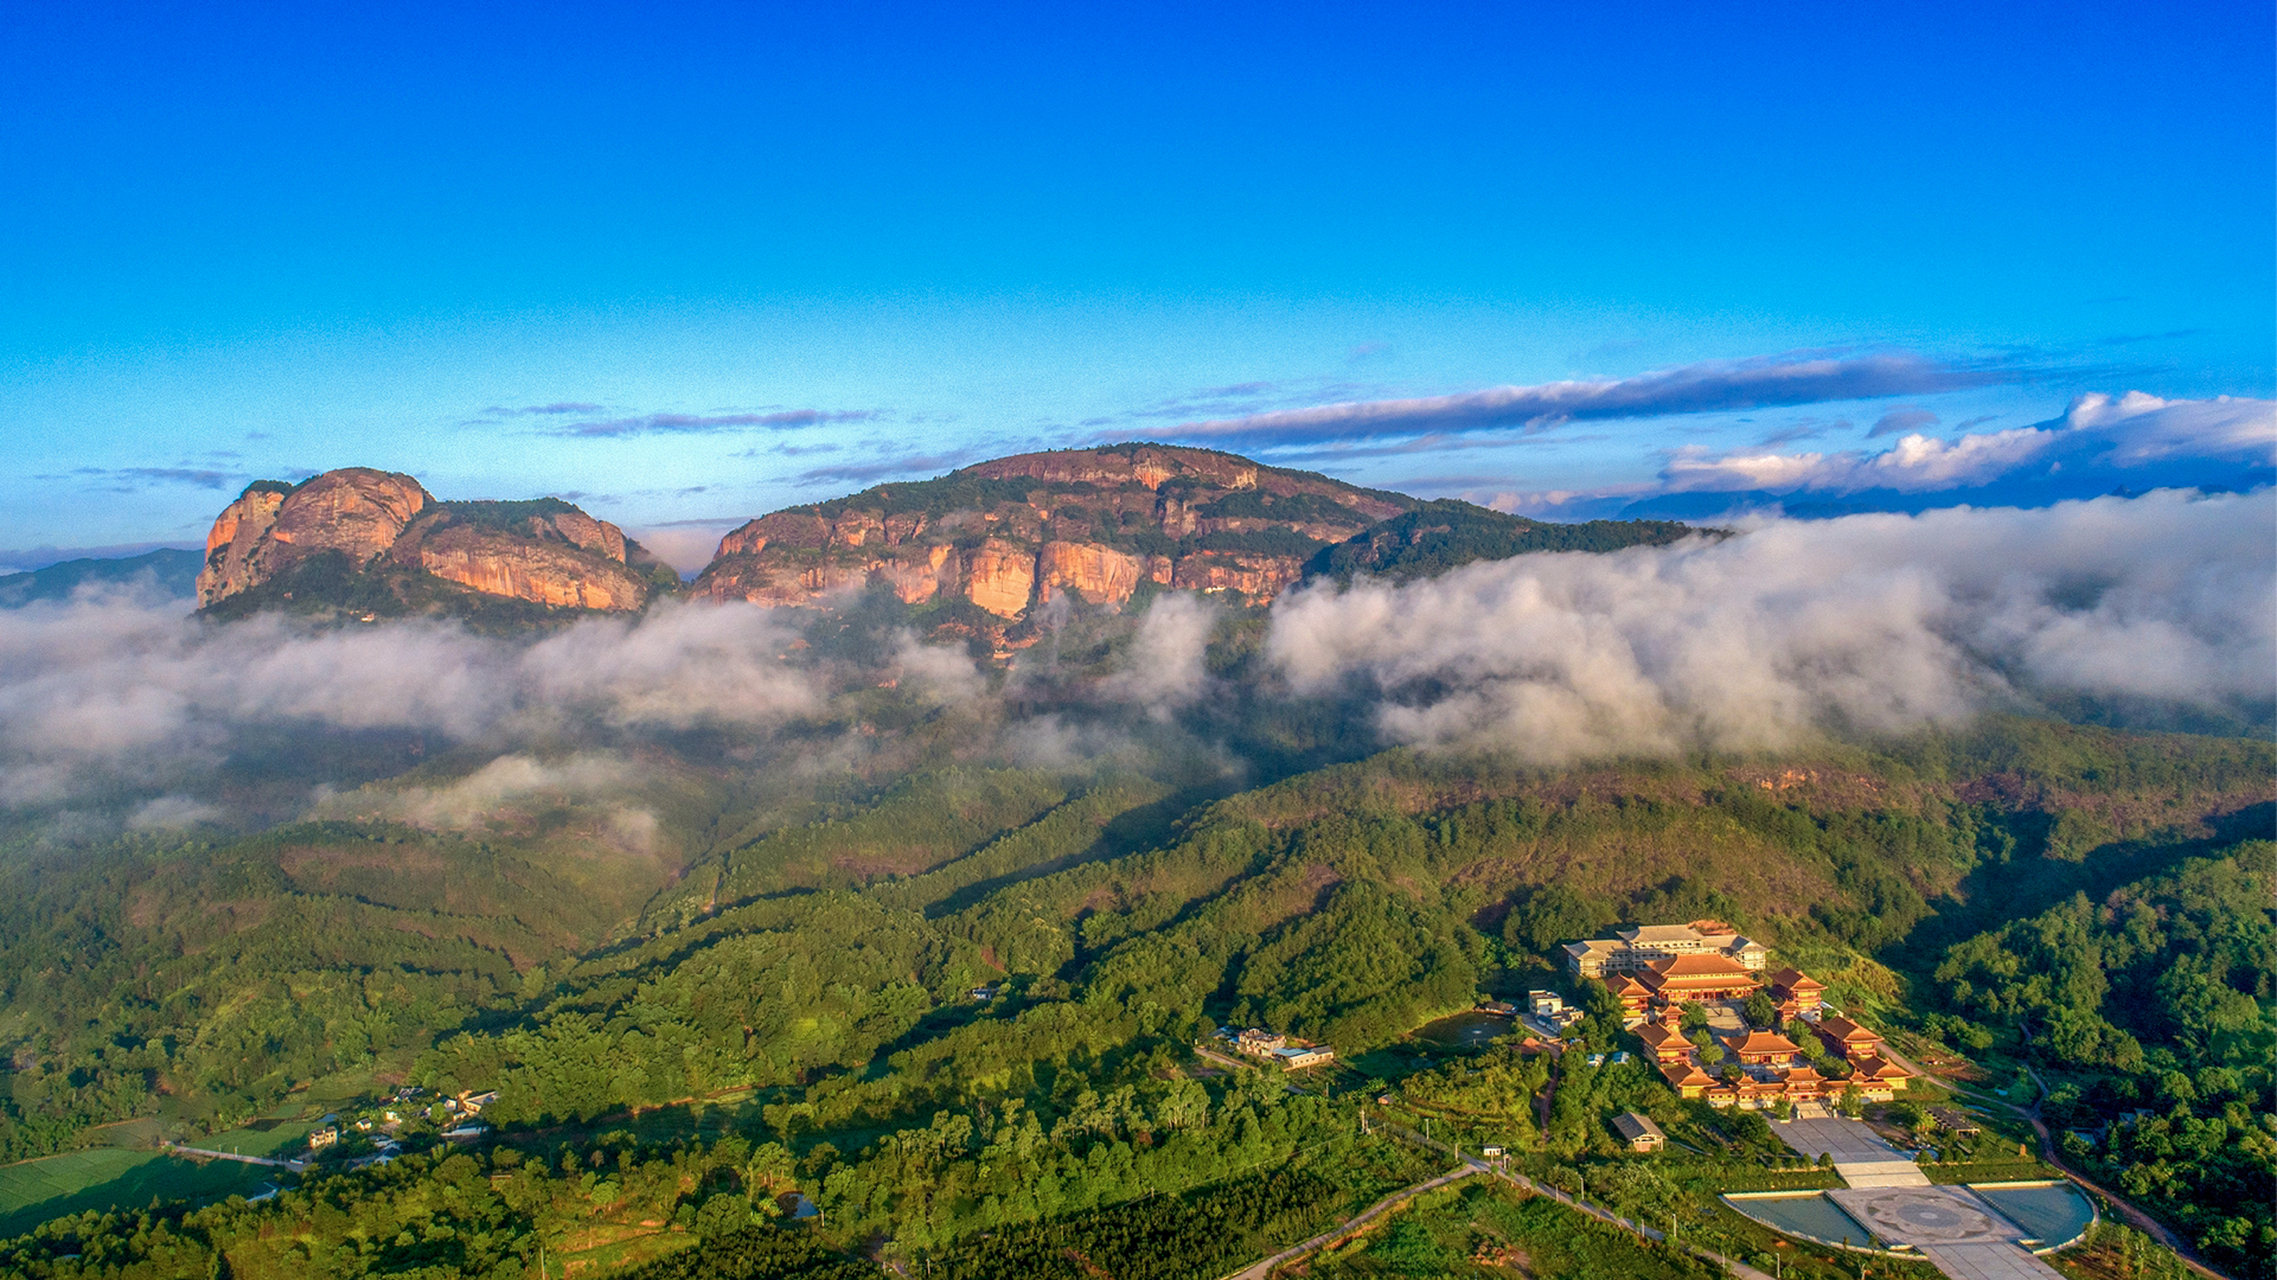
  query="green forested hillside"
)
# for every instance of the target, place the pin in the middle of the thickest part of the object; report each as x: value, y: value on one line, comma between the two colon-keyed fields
x: 1447, y: 533
x: 2151, y: 1001
x: 813, y: 959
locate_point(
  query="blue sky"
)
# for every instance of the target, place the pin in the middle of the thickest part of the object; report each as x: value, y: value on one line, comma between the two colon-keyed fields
x: 688, y: 264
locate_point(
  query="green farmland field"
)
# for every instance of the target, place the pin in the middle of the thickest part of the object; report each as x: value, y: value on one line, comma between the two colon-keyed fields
x: 109, y: 1178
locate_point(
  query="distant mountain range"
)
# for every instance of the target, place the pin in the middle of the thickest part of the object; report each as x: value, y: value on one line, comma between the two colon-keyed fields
x: 168, y: 572
x: 979, y: 551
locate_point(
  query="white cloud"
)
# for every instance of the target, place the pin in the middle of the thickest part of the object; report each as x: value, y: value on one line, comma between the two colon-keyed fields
x: 113, y: 687
x: 1163, y: 669
x: 1880, y: 622
x: 504, y: 781
x: 171, y: 813
x: 1793, y: 378
x: 2132, y: 430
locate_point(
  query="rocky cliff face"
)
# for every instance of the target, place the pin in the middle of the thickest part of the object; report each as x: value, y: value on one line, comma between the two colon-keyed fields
x: 529, y: 568
x: 271, y: 527
x: 1008, y: 535
x: 385, y: 528
x: 241, y: 528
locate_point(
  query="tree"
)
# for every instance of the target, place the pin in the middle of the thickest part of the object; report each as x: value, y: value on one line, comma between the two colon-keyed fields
x: 1761, y: 1010
x: 1553, y: 914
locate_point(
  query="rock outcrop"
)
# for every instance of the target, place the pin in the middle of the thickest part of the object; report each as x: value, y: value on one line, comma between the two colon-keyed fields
x: 1001, y: 578
x: 1097, y: 524
x: 380, y: 526
x: 525, y: 568
x: 241, y: 528
x: 271, y: 527
x: 1100, y: 575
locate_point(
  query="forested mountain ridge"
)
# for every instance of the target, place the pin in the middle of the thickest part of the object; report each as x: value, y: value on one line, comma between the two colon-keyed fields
x: 823, y: 950
x: 1446, y: 533
x: 1002, y: 537
x: 169, y: 573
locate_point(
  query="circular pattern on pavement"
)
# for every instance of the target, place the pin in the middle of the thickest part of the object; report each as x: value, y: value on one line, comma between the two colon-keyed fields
x: 1921, y: 1215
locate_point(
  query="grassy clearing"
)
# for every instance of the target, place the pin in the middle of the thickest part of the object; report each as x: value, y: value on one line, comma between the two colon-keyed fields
x: 270, y: 1139
x: 105, y: 1178
x: 606, y: 1251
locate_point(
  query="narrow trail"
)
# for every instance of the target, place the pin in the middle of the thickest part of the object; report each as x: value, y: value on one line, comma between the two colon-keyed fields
x: 1528, y: 1185
x: 1260, y: 1270
x: 177, y: 1149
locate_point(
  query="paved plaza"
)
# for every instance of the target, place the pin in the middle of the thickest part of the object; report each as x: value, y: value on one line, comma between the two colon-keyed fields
x: 1889, y: 1196
x: 1863, y: 1160
x: 1925, y: 1215
x: 1988, y: 1262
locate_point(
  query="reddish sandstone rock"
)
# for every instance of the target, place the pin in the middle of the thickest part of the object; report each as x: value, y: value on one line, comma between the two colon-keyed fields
x: 355, y: 510
x: 597, y: 536
x: 546, y: 572
x: 1147, y: 465
x: 1077, y: 521
x: 1101, y: 575
x: 383, y: 522
x: 236, y: 534
x: 784, y: 529
x: 1262, y: 577
x: 1001, y: 577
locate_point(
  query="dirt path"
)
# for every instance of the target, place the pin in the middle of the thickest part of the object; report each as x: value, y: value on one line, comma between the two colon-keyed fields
x: 1732, y: 1265
x: 177, y: 1149
x: 1221, y: 1059
x: 1261, y: 1270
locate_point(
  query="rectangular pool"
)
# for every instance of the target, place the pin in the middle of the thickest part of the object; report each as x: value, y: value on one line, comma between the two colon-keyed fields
x: 1810, y: 1215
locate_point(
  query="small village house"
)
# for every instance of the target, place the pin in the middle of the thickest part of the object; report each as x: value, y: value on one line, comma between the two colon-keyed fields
x: 1259, y: 1043
x: 1276, y: 1047
x: 1639, y: 1131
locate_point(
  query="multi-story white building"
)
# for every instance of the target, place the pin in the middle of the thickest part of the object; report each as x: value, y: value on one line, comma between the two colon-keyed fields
x: 1629, y: 950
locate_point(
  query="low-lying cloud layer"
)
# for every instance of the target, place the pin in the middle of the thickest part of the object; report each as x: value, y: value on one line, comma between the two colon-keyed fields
x: 120, y: 689
x: 1875, y: 623
x: 120, y: 706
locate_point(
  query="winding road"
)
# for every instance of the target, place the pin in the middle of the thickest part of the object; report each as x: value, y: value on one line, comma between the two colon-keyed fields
x: 2135, y: 1217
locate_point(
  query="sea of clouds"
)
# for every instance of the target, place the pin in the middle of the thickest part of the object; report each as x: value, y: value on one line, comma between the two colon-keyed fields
x: 1875, y: 623
x: 1786, y: 630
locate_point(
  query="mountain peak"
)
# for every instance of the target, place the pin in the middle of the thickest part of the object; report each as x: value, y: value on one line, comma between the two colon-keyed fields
x: 1102, y: 524
x: 375, y: 542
